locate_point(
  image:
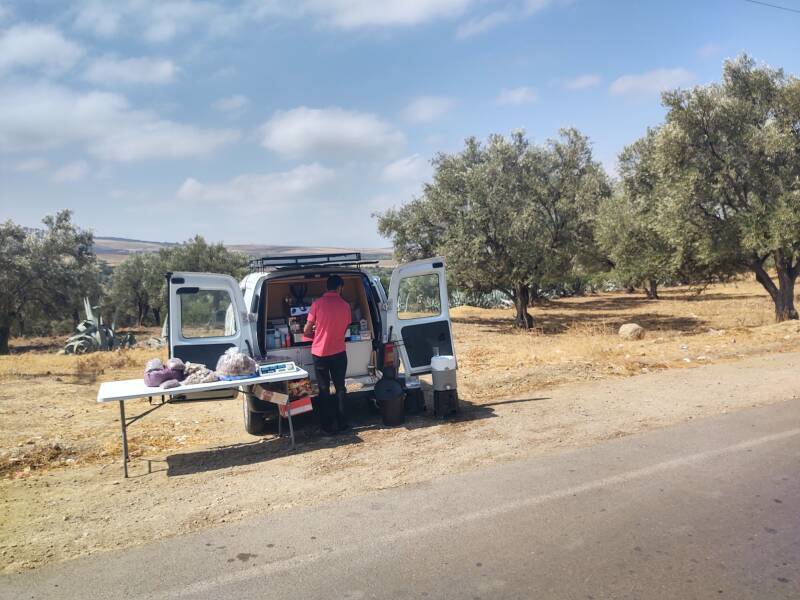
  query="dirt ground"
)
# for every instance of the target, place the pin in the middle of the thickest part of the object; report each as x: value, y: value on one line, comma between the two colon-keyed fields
x: 523, y: 393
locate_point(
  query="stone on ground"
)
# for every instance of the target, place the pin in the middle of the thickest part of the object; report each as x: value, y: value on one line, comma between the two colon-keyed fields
x: 631, y: 331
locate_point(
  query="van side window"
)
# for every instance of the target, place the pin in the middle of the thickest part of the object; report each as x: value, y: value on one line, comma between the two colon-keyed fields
x: 204, y: 314
x: 418, y: 296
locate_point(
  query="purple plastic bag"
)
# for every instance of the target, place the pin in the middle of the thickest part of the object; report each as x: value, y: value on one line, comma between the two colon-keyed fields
x: 158, y: 376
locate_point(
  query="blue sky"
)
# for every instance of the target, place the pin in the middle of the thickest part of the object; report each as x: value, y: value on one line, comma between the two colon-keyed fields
x: 291, y: 122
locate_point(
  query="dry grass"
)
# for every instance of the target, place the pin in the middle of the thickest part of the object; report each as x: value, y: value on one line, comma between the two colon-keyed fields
x: 84, y: 369
x: 48, y: 400
x: 576, y: 338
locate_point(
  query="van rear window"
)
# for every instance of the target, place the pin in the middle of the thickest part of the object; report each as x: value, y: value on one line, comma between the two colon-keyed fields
x: 418, y: 297
x: 206, y: 314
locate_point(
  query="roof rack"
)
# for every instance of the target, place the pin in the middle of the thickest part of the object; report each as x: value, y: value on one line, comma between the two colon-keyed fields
x: 309, y: 260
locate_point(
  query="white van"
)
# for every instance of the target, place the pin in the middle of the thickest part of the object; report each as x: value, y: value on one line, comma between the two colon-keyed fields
x: 400, y: 330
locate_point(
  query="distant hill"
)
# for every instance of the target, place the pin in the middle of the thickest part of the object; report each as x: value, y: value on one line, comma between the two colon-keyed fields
x: 114, y: 250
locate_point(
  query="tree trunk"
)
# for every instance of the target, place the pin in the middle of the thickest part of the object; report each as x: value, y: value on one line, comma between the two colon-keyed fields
x: 782, y: 294
x: 784, y: 305
x: 142, y: 310
x: 522, y: 299
x: 5, y: 334
x: 652, y: 289
x: 157, y: 315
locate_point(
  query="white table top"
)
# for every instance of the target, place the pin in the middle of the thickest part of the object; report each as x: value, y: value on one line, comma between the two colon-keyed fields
x: 129, y: 389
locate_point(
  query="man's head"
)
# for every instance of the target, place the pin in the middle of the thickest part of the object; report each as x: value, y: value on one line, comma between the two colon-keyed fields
x: 335, y: 284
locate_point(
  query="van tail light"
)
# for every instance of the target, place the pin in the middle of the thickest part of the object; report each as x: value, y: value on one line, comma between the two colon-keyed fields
x: 388, y: 355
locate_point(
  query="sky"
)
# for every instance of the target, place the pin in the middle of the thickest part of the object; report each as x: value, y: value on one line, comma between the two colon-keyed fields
x: 294, y: 121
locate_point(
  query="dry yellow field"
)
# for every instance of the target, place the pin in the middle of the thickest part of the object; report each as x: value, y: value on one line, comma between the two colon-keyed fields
x: 48, y: 419
x: 576, y: 339
x: 59, y: 450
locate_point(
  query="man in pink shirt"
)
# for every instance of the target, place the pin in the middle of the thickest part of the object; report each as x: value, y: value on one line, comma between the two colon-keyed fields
x: 327, y: 323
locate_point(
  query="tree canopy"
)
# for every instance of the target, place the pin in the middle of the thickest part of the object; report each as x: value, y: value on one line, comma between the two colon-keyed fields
x: 506, y: 214
x: 44, y: 272
x: 731, y: 152
x: 138, y: 288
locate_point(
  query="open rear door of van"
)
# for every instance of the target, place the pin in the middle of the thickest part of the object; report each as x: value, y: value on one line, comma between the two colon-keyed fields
x: 419, y: 314
x: 206, y: 317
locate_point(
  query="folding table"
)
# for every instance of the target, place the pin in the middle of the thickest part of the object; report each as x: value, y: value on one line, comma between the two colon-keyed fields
x: 131, y: 389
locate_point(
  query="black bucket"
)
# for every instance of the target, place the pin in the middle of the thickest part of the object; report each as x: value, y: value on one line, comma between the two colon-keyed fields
x: 390, y: 397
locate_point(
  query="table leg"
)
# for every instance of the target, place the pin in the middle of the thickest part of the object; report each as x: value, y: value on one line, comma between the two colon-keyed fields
x: 123, y: 425
x: 291, y: 427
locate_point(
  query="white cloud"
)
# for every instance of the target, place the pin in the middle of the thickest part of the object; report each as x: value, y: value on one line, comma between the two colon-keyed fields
x: 512, y: 11
x: 30, y: 165
x: 517, y: 96
x: 231, y: 103
x: 255, y: 191
x: 411, y: 169
x: 332, y: 133
x: 110, y: 70
x: 161, y: 139
x: 709, y: 50
x: 582, y: 82
x: 158, y: 20
x: 37, y: 46
x: 651, y: 82
x: 5, y: 11
x: 427, y: 108
x: 352, y: 14
x: 478, y: 25
x: 99, y: 17
x: 45, y: 116
x: 533, y: 6
x: 71, y: 172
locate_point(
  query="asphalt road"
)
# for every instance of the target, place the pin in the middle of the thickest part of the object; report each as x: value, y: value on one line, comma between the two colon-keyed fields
x: 707, y: 509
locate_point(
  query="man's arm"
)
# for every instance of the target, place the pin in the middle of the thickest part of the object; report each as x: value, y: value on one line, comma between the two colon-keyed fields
x: 309, y: 326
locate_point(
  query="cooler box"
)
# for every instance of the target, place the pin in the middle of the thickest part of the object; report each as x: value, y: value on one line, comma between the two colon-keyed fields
x: 443, y: 370
x: 445, y: 395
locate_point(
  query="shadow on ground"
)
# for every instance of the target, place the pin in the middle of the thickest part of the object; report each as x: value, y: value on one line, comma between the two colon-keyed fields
x: 556, y: 323
x: 554, y: 317
x: 363, y: 417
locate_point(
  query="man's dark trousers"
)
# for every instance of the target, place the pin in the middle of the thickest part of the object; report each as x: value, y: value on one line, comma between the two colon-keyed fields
x: 332, y: 415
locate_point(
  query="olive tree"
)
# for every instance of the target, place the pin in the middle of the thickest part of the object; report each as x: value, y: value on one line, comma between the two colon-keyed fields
x: 506, y: 214
x: 732, y: 151
x: 134, y: 289
x: 44, y: 273
x: 627, y: 225
x: 138, y: 287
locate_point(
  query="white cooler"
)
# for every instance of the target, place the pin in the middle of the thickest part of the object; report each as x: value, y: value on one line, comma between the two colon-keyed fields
x: 445, y: 395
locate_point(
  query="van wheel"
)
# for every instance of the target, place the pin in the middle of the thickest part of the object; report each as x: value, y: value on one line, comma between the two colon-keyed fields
x: 254, y: 422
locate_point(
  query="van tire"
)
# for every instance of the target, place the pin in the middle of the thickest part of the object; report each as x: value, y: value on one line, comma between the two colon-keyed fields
x: 254, y: 422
